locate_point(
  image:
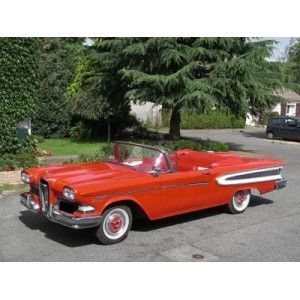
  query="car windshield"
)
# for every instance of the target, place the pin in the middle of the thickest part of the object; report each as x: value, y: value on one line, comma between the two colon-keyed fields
x: 142, y: 158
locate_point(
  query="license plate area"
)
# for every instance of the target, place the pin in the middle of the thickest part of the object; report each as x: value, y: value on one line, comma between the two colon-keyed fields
x: 67, y: 206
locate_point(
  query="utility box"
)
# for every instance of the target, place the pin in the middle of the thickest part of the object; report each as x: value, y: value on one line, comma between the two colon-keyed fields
x: 22, y: 132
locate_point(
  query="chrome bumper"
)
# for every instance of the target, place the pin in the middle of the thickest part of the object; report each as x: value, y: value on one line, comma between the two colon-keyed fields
x: 28, y: 201
x: 69, y: 220
x: 280, y: 184
x: 58, y: 216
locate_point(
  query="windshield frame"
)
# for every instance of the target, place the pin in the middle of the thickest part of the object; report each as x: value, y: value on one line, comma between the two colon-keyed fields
x: 142, y: 146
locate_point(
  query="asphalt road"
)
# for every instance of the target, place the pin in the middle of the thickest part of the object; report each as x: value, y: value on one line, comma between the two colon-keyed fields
x: 269, y: 230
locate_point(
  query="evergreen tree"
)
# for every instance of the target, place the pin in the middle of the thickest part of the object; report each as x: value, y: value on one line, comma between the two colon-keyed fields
x: 98, y: 91
x: 293, y: 61
x: 58, y: 57
x: 202, y: 73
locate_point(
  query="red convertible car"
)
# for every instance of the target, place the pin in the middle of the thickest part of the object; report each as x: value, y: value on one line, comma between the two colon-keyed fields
x: 142, y: 180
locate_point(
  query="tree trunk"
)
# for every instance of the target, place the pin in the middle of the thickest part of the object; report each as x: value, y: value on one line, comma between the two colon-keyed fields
x: 175, y: 124
x: 108, y: 131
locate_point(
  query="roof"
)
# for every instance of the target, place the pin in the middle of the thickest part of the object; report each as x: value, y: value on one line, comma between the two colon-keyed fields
x: 289, y: 95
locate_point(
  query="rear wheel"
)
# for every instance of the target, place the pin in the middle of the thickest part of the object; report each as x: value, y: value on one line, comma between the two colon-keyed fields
x: 115, y: 225
x: 239, y: 202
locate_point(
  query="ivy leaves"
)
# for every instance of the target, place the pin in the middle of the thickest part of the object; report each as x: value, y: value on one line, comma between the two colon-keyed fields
x: 19, y: 87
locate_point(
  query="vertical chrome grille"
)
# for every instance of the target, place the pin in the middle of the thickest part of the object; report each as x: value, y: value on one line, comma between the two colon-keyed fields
x: 44, y: 195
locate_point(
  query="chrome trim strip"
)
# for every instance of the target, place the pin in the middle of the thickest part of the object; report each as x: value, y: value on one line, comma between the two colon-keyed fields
x: 185, y: 185
x: 98, y: 199
x: 226, y: 181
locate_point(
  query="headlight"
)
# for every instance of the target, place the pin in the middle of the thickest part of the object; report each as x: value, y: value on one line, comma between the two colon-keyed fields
x: 25, y: 177
x: 69, y: 193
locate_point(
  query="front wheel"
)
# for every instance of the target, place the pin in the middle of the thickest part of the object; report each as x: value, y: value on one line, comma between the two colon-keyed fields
x: 115, y: 225
x: 239, y: 202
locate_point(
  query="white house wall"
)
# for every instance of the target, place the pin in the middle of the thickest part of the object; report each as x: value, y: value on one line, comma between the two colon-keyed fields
x: 147, y: 112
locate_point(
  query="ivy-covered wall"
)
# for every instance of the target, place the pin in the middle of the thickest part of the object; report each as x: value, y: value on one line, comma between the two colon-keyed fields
x: 19, y: 88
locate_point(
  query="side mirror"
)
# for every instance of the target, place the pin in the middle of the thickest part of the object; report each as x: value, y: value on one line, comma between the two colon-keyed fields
x: 154, y: 173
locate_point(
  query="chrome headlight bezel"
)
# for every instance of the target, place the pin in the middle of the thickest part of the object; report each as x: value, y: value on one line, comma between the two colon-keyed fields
x: 69, y: 193
x: 25, y: 177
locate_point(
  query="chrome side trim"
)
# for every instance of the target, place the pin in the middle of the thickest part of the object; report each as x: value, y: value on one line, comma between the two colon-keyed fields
x: 69, y: 220
x: 247, y: 177
x: 185, y: 185
x: 97, y: 199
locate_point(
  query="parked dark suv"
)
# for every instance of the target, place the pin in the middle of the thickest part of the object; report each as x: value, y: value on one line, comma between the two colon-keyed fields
x: 284, y: 127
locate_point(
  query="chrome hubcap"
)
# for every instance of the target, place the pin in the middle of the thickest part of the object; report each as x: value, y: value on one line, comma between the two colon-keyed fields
x: 116, y: 223
x: 240, y: 198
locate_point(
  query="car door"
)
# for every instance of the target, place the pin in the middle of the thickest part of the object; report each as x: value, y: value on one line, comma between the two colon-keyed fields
x: 289, y: 129
x: 297, y: 129
x: 184, y: 191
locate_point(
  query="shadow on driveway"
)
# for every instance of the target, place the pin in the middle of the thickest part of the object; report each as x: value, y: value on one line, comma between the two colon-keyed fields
x: 58, y: 233
x: 78, y: 238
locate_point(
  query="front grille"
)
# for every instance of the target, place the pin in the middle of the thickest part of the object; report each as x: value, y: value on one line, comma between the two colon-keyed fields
x: 34, y: 190
x: 44, y: 195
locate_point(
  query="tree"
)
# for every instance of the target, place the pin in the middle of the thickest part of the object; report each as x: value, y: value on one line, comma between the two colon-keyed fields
x: 19, y: 88
x: 98, y: 91
x: 58, y: 58
x: 293, y: 61
x: 202, y: 73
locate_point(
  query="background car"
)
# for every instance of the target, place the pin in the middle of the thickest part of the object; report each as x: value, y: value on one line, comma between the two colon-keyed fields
x: 284, y: 127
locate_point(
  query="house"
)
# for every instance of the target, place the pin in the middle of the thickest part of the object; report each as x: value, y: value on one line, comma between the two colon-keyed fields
x: 148, y: 112
x: 292, y: 106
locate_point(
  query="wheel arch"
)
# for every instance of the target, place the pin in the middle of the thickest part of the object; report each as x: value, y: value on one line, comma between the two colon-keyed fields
x: 137, y: 211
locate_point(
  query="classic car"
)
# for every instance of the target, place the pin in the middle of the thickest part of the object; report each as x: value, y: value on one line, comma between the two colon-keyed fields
x: 139, y: 180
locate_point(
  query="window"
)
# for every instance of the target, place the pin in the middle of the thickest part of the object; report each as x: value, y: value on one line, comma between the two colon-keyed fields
x: 275, y: 121
x: 291, y: 109
x: 290, y: 123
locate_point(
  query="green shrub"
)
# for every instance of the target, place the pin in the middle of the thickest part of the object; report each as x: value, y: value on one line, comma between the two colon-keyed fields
x: 218, y: 147
x: 7, y: 162
x: 26, y: 158
x: 189, y: 144
x: 97, y: 155
x: 200, y: 145
x: 268, y: 115
x: 213, y: 119
x: 80, y: 131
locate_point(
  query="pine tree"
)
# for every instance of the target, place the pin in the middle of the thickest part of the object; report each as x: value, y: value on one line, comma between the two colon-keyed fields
x: 202, y: 73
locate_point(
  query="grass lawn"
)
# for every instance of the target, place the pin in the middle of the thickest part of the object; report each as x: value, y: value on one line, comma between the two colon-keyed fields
x: 63, y: 147
x: 11, y: 187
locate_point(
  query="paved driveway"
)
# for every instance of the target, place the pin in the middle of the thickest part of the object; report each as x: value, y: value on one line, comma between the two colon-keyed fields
x: 269, y: 230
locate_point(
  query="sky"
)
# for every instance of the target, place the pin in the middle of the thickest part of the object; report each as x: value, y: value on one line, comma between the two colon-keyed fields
x: 283, y: 42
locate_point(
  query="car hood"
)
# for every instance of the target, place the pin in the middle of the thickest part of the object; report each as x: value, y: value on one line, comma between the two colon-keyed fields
x: 84, y: 175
